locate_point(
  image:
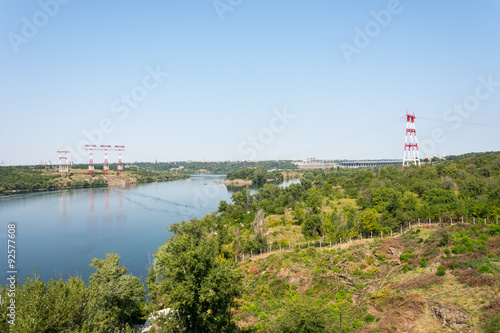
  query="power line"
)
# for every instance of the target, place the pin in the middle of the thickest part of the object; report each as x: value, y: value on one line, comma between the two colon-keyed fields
x: 462, y: 122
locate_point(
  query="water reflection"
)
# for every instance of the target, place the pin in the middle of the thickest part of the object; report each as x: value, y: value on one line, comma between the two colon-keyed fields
x: 91, y: 202
x: 63, y: 206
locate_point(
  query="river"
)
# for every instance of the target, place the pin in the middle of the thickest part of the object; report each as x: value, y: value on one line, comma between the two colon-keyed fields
x: 59, y: 233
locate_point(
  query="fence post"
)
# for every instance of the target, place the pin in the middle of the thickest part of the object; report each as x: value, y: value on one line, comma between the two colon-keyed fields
x: 340, y: 241
x: 243, y: 256
x: 474, y: 220
x: 451, y: 221
x: 462, y: 219
x: 381, y: 234
x: 409, y: 225
x: 419, y: 222
x: 330, y: 245
x: 251, y: 254
x: 371, y: 234
x: 401, y: 230
x: 429, y: 221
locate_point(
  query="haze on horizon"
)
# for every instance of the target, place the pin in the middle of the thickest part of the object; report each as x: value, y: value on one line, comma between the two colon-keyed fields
x: 235, y: 80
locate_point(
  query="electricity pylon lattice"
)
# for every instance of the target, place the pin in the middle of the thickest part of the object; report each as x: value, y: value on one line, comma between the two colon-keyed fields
x: 411, y: 154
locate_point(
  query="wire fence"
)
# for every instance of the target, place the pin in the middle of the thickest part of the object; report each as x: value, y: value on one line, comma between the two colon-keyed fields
x: 338, y: 242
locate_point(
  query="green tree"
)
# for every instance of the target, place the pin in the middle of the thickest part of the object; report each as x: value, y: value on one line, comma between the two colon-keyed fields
x: 191, y: 279
x: 114, y: 296
x: 368, y: 221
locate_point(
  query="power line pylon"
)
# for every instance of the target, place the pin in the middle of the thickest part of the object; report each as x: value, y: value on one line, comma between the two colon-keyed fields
x: 411, y: 154
x: 105, y: 167
x: 63, y: 161
x: 119, y: 168
x: 91, y: 159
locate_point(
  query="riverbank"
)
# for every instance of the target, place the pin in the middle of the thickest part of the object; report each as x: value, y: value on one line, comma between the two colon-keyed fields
x: 15, y: 180
x: 237, y: 182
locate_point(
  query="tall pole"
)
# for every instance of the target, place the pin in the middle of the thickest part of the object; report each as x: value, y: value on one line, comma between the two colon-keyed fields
x: 63, y: 161
x: 91, y: 159
x: 119, y: 168
x: 105, y: 167
x: 411, y: 154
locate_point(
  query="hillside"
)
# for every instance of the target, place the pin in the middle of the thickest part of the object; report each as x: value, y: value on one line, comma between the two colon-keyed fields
x: 430, y: 279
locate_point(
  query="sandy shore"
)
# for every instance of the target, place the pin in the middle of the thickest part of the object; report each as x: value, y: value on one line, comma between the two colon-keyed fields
x: 238, y: 182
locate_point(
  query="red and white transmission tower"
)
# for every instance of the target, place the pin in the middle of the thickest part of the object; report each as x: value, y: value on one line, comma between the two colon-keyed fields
x: 63, y: 161
x: 91, y: 159
x: 105, y: 167
x: 411, y: 154
x: 119, y: 168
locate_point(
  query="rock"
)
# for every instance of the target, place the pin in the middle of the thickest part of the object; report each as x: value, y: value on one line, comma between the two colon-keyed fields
x: 395, y: 252
x: 451, y: 316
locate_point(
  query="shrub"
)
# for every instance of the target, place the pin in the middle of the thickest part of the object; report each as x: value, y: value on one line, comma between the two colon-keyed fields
x: 369, y: 318
x: 447, y: 252
x: 406, y: 256
x: 492, y: 324
x: 459, y: 249
x: 423, y: 262
x: 441, y: 271
x: 485, y: 269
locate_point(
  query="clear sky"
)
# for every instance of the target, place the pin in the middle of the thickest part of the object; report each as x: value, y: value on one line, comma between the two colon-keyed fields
x: 239, y: 79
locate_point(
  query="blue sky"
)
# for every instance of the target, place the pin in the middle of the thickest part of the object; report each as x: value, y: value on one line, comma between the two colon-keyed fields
x: 212, y: 80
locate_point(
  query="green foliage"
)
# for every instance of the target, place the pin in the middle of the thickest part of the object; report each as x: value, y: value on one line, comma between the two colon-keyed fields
x: 441, y: 271
x: 485, y: 269
x: 111, y: 302
x: 423, y: 262
x: 405, y: 256
x: 193, y: 280
x: 305, y: 315
x: 492, y: 324
x: 369, y: 318
x: 312, y: 226
x: 114, y: 295
x: 257, y: 176
x: 218, y: 168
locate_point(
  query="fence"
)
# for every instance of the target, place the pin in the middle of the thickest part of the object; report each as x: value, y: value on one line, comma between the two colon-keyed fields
x: 328, y: 244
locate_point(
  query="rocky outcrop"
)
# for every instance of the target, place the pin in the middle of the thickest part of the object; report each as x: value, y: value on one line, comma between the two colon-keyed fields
x: 451, y: 316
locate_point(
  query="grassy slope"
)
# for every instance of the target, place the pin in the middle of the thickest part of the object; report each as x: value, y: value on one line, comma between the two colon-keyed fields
x: 376, y: 290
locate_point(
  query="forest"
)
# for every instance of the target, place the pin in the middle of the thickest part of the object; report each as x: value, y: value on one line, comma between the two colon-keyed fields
x: 257, y: 176
x: 202, y: 273
x: 218, y: 168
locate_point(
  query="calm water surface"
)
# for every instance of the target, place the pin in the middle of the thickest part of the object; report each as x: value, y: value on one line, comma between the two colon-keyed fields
x: 59, y: 233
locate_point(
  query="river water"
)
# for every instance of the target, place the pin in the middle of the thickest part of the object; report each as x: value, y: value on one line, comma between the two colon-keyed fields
x: 59, y: 233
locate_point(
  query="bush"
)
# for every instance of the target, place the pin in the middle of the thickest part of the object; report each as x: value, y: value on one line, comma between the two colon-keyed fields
x: 485, y: 269
x: 492, y: 325
x: 441, y: 271
x: 459, y: 249
x: 304, y: 314
x: 447, y: 252
x: 405, y: 256
x: 369, y: 318
x: 423, y: 262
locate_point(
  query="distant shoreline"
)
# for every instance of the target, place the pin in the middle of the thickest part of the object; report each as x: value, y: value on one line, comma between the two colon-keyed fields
x: 237, y: 182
